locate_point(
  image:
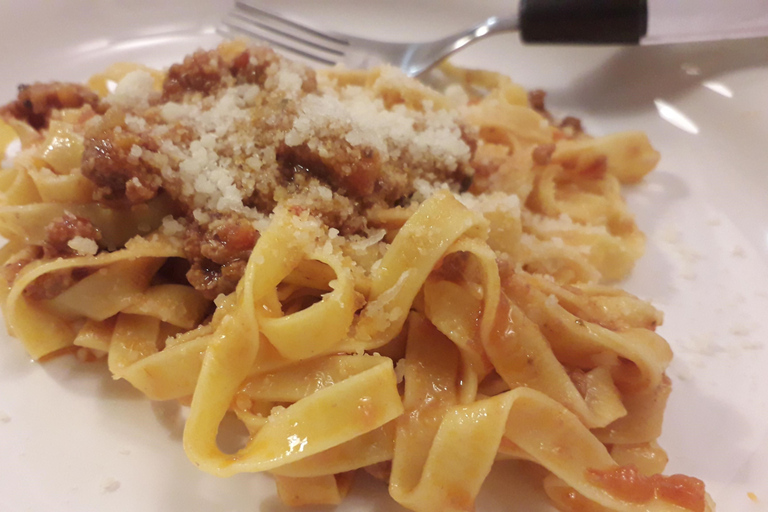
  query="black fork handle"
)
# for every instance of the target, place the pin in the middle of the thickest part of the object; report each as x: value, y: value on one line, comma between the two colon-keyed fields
x: 583, y: 21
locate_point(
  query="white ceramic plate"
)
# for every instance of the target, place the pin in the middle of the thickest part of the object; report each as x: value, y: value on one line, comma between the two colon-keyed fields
x: 74, y: 440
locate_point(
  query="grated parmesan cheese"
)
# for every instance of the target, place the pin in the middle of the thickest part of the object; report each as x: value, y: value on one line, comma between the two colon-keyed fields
x: 133, y: 91
x: 83, y: 246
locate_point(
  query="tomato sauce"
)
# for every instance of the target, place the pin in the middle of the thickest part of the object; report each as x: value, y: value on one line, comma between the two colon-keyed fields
x: 627, y: 483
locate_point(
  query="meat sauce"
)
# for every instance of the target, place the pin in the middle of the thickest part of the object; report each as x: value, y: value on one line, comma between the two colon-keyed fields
x: 627, y: 483
x: 35, y: 102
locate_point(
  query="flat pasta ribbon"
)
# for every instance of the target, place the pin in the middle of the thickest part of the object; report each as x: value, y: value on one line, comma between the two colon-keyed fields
x: 418, y: 246
x: 48, y: 326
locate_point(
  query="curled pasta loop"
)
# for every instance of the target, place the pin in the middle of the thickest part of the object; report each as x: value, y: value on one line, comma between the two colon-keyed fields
x: 330, y: 318
x: 278, y: 252
x: 466, y: 318
x: 361, y: 403
x: 298, y: 380
x: 418, y: 246
x: 637, y: 356
x: 50, y: 325
x: 522, y: 356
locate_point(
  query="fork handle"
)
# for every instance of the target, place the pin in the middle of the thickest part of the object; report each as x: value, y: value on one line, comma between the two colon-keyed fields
x: 583, y: 21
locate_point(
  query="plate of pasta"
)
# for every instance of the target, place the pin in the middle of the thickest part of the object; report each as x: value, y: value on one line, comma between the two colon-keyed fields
x: 232, y: 281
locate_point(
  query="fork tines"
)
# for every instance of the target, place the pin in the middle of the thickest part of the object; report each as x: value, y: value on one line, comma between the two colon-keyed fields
x: 245, y: 19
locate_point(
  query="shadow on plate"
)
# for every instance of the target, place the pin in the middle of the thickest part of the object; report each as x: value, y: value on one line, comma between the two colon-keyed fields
x: 650, y: 201
x: 634, y: 77
x: 15, y: 362
x: 692, y: 421
x: 90, y: 379
x: 170, y: 415
x: 512, y: 486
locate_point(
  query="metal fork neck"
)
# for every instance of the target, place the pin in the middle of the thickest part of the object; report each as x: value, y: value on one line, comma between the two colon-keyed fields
x: 417, y: 54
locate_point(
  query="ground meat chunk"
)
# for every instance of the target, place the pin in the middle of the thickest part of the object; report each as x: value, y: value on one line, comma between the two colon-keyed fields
x: 219, y: 254
x: 542, y: 154
x: 212, y: 279
x: 208, y: 71
x: 35, y: 102
x: 59, y: 232
x: 250, y: 67
x: 229, y: 241
x: 536, y: 99
x: 48, y: 285
x: 356, y: 170
x: 572, y: 124
x: 202, y: 72
x: 253, y: 66
x: 121, y: 178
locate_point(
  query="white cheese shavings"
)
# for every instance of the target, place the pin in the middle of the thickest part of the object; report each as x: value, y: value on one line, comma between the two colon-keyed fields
x: 83, y: 246
x: 133, y: 91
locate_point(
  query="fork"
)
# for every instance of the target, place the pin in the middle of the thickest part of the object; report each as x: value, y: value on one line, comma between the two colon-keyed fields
x: 560, y: 21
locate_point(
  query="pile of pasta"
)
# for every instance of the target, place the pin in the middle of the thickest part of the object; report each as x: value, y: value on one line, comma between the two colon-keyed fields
x: 482, y: 333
